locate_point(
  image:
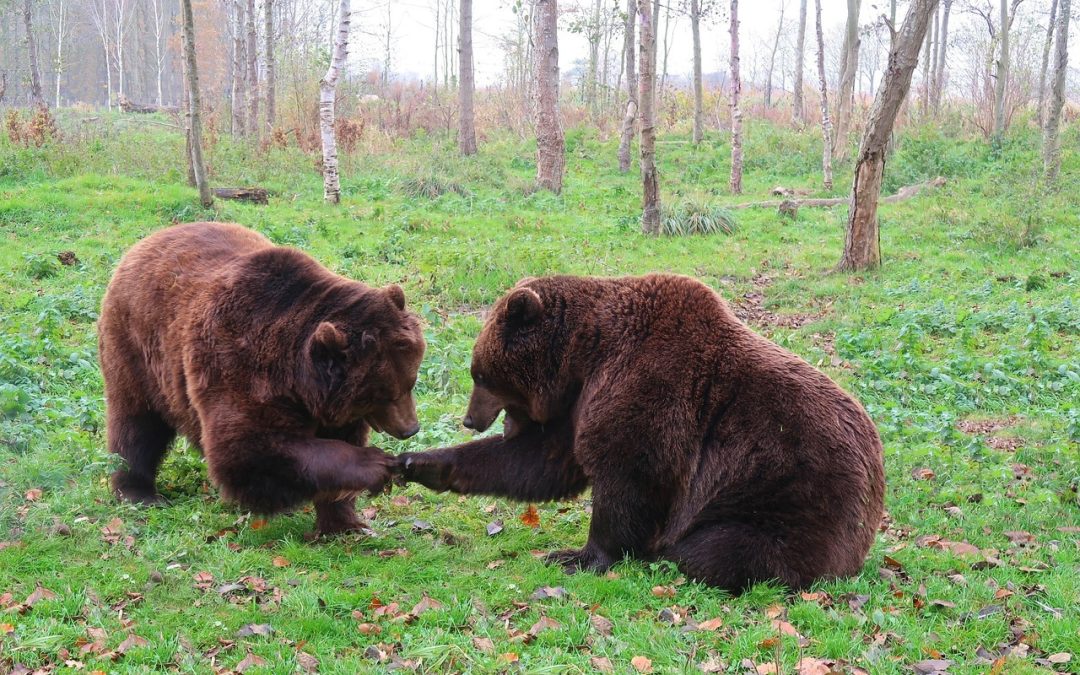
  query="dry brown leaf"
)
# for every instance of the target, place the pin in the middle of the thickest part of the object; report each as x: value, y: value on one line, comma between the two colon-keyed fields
x: 767, y: 669
x: 40, y: 593
x: 250, y: 661
x: 281, y: 561
x: 484, y: 644
x: 664, y: 591
x: 307, y: 662
x: 425, y: 604
x: 711, y: 624
x: 370, y: 628
x: 1059, y: 658
x: 6, y: 628
x: 811, y: 666
x: 543, y: 624
x: 130, y: 642
x: 33, y: 494
x: 602, y: 624
x: 923, y: 473
x: 508, y: 657
x: 531, y: 517
x: 774, y: 611
x: 785, y: 628
x: 258, y: 524
x: 602, y: 663
x: 641, y: 664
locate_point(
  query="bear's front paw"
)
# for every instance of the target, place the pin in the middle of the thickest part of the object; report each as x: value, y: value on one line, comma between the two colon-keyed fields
x: 421, y: 467
x: 577, y: 559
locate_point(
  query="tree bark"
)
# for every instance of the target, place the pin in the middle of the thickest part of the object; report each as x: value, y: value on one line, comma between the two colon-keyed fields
x: 252, y: 71
x: 862, y: 248
x: 772, y: 56
x: 1051, y: 24
x: 327, y: 93
x: 845, y: 95
x: 238, y: 95
x: 467, y: 130
x: 823, y: 85
x: 1002, y: 73
x: 699, y: 113
x: 943, y: 44
x: 159, y: 53
x: 928, y: 46
x: 798, y: 108
x: 1051, y: 139
x: 650, y: 181
x: 60, y: 34
x: 627, y: 134
x: 271, y: 76
x: 31, y: 48
x: 193, y: 114
x: 735, y: 182
x: 550, y: 143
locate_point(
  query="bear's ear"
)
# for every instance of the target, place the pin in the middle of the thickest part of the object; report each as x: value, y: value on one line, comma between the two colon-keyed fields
x: 328, y: 340
x: 396, y: 295
x: 523, y: 307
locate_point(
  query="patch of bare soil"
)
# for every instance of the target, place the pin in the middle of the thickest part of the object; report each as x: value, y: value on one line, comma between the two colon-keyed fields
x: 988, y: 428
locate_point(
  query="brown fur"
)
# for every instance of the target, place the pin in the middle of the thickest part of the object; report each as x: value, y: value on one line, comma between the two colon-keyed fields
x: 704, y: 443
x: 271, y: 364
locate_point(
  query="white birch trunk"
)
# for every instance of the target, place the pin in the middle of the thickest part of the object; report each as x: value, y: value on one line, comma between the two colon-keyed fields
x: 327, y: 93
x: 826, y: 123
x: 1051, y: 137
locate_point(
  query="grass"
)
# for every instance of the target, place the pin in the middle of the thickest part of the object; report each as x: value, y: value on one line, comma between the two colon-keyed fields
x: 964, y: 348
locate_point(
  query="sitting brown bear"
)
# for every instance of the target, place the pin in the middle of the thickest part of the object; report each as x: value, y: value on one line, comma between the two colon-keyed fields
x: 270, y: 363
x: 705, y: 444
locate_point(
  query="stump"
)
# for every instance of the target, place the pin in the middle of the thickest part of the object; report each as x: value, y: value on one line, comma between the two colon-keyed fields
x: 255, y: 195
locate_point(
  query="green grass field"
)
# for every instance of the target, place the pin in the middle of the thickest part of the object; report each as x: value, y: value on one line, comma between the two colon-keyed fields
x: 964, y: 348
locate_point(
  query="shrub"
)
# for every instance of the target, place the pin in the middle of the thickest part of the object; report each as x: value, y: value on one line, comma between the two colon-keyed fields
x: 690, y: 217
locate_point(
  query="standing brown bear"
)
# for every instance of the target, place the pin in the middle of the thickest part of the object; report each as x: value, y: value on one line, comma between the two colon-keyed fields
x: 270, y: 363
x: 705, y: 444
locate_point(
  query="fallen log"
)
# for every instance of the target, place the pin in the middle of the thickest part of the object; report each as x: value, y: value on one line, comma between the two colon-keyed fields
x: 255, y: 195
x: 129, y: 106
x: 788, y: 205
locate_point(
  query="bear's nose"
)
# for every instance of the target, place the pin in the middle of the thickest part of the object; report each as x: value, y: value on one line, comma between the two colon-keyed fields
x: 468, y: 422
x: 412, y: 431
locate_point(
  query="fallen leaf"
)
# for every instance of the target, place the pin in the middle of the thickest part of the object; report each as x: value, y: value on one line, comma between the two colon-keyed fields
x: 307, y: 662
x: 250, y: 661
x: 33, y: 494
x: 922, y: 473
x: 258, y: 524
x: 773, y: 611
x: 281, y: 561
x: 531, y: 517
x: 424, y: 605
x: 960, y: 548
x: 40, y: 593
x: 711, y: 624
x: 543, y: 624
x: 664, y: 591
x: 945, y: 604
x: 602, y: 624
x: 1059, y: 658
x: 483, y: 644
x: 767, y: 669
x: 602, y: 663
x: 494, y: 527
x: 671, y: 615
x: 1020, y: 538
x: 713, y: 664
x: 400, y: 500
x: 811, y: 666
x: 546, y: 592
x: 130, y: 642
x: 785, y: 628
x: 370, y: 628
x: 509, y: 657
x: 641, y: 664
x: 932, y: 666
x: 420, y: 525
x: 255, y: 629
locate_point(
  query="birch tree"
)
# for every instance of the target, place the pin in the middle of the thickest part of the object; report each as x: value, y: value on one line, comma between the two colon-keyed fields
x: 627, y: 132
x: 1001, y: 72
x: 550, y: 143
x: 823, y: 85
x: 798, y: 108
x: 1051, y: 137
x: 849, y: 66
x: 191, y: 72
x: 942, y: 50
x: 160, y: 22
x: 271, y: 78
x: 31, y: 48
x: 238, y: 97
x: 699, y: 114
x: 252, y: 71
x: 862, y: 249
x: 327, y: 94
x: 735, y: 182
x: 1050, y: 26
x: 772, y: 55
x: 650, y: 212
x: 467, y: 127
x: 59, y: 13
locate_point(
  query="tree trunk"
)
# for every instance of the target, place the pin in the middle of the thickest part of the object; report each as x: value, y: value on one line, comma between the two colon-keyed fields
x: 239, y: 62
x: 593, y: 34
x: 193, y: 114
x: 798, y: 108
x: 627, y: 134
x: 772, y: 56
x: 31, y: 48
x: 1046, y: 61
x: 252, y: 71
x: 327, y: 93
x: 271, y: 84
x: 550, y: 144
x: 943, y: 43
x: 699, y: 113
x: 735, y: 182
x: 650, y: 212
x: 467, y: 130
x: 935, y: 45
x: 861, y: 246
x: 1051, y: 139
x: 823, y: 85
x: 1002, y: 73
x: 59, y: 49
x: 159, y: 53
x: 667, y: 44
x: 845, y: 95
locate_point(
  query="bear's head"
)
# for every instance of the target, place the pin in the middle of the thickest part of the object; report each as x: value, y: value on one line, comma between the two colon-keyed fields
x: 520, y: 361
x: 362, y: 362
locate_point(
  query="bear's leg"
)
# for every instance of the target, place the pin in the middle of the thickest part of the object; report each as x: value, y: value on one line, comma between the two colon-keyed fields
x: 336, y: 514
x: 733, y: 556
x: 141, y: 438
x: 538, y: 464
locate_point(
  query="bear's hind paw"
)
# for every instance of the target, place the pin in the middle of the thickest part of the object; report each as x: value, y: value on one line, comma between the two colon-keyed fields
x: 577, y: 559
